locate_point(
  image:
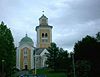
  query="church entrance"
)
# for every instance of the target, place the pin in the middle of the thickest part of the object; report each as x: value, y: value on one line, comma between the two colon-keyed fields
x: 25, y: 67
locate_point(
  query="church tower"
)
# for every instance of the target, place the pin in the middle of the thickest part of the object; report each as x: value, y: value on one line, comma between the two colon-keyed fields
x: 44, y: 33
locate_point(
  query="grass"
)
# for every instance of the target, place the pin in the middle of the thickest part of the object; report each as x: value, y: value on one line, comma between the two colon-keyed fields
x: 50, y: 74
x: 47, y: 73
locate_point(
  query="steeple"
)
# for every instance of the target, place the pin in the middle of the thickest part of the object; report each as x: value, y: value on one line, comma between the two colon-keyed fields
x: 44, y: 32
x: 43, y: 20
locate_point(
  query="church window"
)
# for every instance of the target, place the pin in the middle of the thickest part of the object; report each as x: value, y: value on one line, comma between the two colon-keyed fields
x: 46, y: 35
x: 42, y: 35
x: 25, y: 59
x: 25, y: 50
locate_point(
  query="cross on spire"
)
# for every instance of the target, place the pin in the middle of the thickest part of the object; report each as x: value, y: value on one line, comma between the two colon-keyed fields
x: 43, y: 12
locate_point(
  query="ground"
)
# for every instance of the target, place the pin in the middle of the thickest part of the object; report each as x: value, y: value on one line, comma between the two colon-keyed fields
x: 42, y: 72
x: 51, y: 74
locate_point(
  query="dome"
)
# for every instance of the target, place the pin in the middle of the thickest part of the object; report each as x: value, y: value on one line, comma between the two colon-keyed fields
x: 26, y: 40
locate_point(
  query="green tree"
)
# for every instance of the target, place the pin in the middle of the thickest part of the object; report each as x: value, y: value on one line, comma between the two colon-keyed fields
x: 88, y: 49
x: 82, y: 68
x: 52, y: 56
x: 7, y: 50
x: 98, y: 36
x: 63, y: 60
x: 57, y: 59
x: 85, y: 49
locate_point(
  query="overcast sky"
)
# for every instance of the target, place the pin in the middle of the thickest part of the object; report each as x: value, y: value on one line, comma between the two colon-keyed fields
x: 71, y: 19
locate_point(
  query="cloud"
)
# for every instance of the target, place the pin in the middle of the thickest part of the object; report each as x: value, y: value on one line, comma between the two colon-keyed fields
x: 71, y: 19
x: 66, y: 38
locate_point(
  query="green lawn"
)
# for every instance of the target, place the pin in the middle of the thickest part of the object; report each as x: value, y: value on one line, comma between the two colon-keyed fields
x: 44, y: 72
x: 50, y: 74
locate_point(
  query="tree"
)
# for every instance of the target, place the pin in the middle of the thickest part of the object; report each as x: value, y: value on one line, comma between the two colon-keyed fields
x: 98, y: 36
x: 7, y: 50
x: 82, y: 68
x: 52, y: 56
x: 63, y: 60
x: 88, y: 49
x: 57, y: 59
x: 83, y: 48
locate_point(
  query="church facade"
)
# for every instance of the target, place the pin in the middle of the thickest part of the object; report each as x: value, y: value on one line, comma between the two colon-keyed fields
x: 30, y: 57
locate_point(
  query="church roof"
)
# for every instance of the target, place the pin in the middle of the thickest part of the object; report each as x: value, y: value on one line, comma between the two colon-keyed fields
x: 43, y: 17
x: 39, y: 51
x: 27, y: 40
x: 48, y: 26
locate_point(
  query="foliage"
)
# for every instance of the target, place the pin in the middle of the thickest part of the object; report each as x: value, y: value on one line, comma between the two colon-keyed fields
x: 85, y: 47
x: 98, y: 35
x: 82, y: 68
x: 7, y: 49
x: 52, y: 56
x: 63, y: 60
x: 57, y: 59
x: 88, y: 49
x: 50, y: 74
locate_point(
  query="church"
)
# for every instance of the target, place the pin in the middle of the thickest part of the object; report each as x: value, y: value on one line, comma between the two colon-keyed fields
x: 30, y: 57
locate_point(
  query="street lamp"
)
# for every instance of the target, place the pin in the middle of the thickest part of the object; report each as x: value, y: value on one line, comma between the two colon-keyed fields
x: 71, y: 54
x: 3, y: 68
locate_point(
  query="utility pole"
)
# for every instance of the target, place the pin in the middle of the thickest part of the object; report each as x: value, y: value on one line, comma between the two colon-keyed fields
x: 73, y: 64
x: 71, y: 54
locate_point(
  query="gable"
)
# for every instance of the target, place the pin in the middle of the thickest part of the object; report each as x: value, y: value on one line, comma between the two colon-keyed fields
x: 43, y: 52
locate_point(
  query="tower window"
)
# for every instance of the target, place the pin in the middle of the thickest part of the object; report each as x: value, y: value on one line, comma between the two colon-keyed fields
x: 46, y: 35
x: 42, y: 34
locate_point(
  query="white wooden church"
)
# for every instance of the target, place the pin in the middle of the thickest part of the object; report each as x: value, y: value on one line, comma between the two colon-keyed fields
x: 30, y: 57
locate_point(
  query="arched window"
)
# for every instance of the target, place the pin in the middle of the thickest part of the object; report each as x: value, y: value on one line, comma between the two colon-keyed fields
x: 25, y: 55
x: 42, y: 34
x: 25, y: 51
x: 46, y: 35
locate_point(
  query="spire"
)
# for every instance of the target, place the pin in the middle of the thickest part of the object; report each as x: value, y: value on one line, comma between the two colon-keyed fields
x: 26, y: 34
x: 43, y: 20
x: 43, y: 16
x: 43, y: 12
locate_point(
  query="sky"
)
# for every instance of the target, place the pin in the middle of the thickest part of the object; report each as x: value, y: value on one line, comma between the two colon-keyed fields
x: 72, y: 20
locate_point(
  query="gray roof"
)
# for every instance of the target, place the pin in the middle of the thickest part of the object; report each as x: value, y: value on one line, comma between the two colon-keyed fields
x: 43, y: 17
x: 46, y: 26
x: 39, y: 51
